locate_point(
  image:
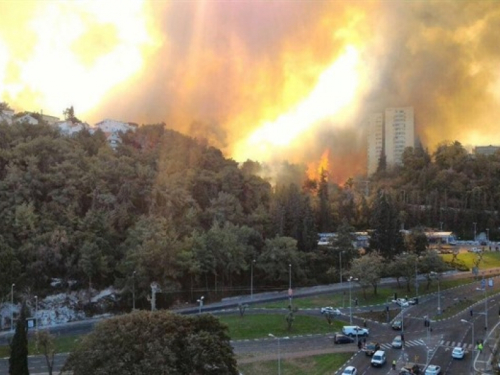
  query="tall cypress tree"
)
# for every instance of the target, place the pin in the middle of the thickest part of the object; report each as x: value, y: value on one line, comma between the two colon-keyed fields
x: 18, y: 361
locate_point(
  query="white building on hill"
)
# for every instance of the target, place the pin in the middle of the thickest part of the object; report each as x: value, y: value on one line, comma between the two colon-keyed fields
x: 28, y: 119
x: 70, y: 128
x: 113, y: 130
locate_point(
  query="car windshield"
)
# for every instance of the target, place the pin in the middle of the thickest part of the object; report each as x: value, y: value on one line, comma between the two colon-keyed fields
x: 377, y: 357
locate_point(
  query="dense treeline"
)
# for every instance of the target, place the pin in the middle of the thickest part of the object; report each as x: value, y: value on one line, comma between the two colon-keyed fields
x: 167, y: 208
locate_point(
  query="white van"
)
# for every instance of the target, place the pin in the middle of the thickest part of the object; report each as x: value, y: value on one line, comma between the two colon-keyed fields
x: 378, y: 358
x: 355, y: 331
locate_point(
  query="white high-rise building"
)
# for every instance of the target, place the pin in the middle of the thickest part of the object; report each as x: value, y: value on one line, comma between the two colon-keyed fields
x: 390, y: 133
x: 375, y: 140
x: 399, y: 133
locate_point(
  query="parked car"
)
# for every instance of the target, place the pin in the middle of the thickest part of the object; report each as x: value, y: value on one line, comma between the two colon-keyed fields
x: 342, y: 339
x: 433, y: 370
x: 350, y: 370
x: 397, y: 325
x: 458, y: 353
x: 330, y: 310
x: 410, y: 369
x: 413, y: 301
x: 378, y: 358
x: 401, y: 302
x: 355, y: 331
x: 397, y: 343
x: 371, y: 348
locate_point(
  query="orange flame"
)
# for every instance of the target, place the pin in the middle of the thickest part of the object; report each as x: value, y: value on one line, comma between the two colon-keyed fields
x: 314, y: 169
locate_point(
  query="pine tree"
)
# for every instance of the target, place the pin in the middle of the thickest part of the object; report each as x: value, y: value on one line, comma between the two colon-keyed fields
x: 18, y: 361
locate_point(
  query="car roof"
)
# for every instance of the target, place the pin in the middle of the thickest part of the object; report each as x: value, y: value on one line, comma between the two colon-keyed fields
x: 398, y: 337
x: 349, y: 368
x: 379, y: 352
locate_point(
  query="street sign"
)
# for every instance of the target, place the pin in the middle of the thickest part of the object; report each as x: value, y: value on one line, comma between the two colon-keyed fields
x: 483, y: 283
x: 290, y: 292
x: 490, y: 283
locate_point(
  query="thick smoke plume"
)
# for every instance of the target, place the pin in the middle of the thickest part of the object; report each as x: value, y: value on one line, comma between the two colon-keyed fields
x: 220, y: 70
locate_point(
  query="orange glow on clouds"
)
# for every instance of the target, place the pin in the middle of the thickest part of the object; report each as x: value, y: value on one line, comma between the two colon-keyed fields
x: 75, y: 51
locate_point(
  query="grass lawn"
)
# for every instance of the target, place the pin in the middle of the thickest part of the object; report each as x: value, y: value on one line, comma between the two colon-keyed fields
x: 491, y: 259
x: 384, y: 294
x: 63, y: 344
x: 260, y: 325
x: 315, y: 365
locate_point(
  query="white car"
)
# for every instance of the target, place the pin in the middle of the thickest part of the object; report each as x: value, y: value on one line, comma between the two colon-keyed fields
x: 401, y: 302
x: 330, y: 310
x: 433, y: 370
x: 350, y: 370
x: 458, y: 352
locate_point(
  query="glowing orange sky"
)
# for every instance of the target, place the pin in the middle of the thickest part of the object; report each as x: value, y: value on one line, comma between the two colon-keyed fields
x: 266, y: 80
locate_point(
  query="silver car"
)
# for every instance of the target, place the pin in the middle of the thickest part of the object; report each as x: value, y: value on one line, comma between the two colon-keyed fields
x: 397, y: 343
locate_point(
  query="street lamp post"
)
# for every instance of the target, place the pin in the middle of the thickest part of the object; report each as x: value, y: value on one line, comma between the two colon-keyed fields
x: 279, y: 351
x: 487, y: 235
x: 485, y: 290
x: 416, y: 278
x: 133, y: 291
x: 12, y: 308
x: 474, y: 231
x: 290, y: 284
x: 251, y: 278
x: 472, y: 341
x: 439, y: 296
x: 200, y: 301
x: 36, y: 313
x: 340, y: 266
x: 350, y: 299
x: 436, y: 276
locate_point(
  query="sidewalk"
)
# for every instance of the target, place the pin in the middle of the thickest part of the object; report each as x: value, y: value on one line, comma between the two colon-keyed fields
x: 482, y: 361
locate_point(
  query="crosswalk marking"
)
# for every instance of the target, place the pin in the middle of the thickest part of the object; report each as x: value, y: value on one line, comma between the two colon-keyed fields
x: 453, y: 344
x: 408, y: 343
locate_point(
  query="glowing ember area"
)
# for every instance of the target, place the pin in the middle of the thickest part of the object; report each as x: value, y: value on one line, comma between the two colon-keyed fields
x: 314, y: 170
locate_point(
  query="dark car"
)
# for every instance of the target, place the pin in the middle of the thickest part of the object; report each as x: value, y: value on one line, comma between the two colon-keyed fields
x: 371, y: 348
x: 342, y: 339
x: 397, y: 325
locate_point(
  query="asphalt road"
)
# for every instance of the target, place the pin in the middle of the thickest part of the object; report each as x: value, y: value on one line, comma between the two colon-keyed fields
x: 421, y: 345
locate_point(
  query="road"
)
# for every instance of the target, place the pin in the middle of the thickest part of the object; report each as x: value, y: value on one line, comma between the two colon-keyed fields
x: 421, y: 345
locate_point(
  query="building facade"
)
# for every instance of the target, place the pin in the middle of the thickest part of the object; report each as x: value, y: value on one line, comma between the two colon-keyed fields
x: 375, y: 140
x: 486, y: 150
x: 399, y: 133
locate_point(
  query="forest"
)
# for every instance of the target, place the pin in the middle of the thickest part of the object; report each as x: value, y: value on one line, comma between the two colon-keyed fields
x: 167, y: 208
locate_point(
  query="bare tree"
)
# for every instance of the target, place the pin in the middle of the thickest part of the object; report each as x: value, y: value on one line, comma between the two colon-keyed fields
x: 45, y: 342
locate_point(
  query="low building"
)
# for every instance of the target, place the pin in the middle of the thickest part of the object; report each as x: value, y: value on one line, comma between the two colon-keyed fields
x: 113, y: 130
x: 51, y: 120
x: 361, y: 239
x: 30, y: 119
x: 70, y: 128
x: 486, y: 150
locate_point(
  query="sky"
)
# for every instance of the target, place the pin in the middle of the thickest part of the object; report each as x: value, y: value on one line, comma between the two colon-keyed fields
x: 271, y: 80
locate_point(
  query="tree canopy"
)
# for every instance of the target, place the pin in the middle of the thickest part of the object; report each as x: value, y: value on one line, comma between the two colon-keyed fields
x: 155, y: 343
